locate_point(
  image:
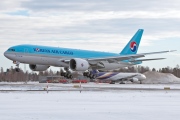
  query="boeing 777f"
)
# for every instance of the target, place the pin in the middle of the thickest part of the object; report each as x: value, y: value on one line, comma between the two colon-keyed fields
x: 40, y: 58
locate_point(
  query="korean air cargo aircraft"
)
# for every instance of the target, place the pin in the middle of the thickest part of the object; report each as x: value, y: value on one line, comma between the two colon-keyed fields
x: 40, y: 58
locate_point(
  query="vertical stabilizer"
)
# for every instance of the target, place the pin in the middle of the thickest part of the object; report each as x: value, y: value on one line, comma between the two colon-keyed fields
x: 133, y: 44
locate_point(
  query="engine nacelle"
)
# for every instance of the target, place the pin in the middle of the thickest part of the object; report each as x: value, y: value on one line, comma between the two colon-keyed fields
x: 134, y: 80
x: 38, y: 67
x: 78, y: 64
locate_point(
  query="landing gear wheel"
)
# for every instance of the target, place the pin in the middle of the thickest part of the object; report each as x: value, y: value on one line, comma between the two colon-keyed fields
x: 84, y: 74
x: 88, y: 74
x: 17, y: 69
x: 70, y: 76
x: 91, y: 76
x: 66, y: 75
x: 122, y: 83
x: 112, y: 82
x: 62, y: 73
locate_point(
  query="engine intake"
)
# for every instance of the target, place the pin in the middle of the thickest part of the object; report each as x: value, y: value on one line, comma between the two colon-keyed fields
x: 78, y: 64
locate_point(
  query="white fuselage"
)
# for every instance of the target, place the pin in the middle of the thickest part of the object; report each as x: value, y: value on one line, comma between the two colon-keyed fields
x: 37, y: 59
x: 115, y: 76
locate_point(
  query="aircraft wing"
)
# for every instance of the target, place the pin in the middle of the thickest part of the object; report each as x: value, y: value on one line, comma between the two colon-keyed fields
x: 128, y: 57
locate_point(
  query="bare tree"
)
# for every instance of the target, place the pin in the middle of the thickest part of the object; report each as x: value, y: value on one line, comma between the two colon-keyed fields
x: 154, y: 69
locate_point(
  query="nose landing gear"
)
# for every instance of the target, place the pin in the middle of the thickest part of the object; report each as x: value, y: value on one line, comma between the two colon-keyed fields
x: 17, y: 69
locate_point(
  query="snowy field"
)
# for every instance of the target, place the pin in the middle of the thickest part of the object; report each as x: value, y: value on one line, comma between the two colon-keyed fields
x: 91, y: 105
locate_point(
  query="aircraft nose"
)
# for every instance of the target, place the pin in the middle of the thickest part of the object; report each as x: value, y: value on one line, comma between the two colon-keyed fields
x: 5, y: 54
x: 143, y: 76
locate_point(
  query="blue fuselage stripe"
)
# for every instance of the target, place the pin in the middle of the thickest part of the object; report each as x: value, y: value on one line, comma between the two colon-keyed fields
x: 62, y: 52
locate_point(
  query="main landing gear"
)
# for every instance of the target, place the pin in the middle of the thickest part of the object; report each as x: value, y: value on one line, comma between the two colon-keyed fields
x: 67, y: 74
x: 122, y: 82
x: 112, y: 82
x: 89, y: 74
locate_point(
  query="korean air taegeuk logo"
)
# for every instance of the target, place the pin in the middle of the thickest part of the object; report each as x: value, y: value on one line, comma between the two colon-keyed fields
x: 133, y: 46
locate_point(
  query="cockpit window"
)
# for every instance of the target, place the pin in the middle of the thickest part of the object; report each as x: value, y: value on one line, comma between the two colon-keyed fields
x: 11, y: 49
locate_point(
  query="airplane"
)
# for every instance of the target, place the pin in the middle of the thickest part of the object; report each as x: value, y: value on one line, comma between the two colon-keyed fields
x: 114, y: 77
x: 40, y: 58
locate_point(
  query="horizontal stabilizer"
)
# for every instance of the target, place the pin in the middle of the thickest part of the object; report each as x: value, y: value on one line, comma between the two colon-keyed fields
x: 140, y: 60
x: 159, y: 52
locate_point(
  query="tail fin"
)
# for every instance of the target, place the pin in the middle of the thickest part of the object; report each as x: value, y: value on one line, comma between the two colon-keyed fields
x: 133, y: 45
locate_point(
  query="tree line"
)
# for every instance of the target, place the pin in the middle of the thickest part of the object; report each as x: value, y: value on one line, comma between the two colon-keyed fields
x: 10, y: 74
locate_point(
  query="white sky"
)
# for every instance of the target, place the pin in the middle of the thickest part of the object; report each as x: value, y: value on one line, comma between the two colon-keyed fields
x: 101, y: 25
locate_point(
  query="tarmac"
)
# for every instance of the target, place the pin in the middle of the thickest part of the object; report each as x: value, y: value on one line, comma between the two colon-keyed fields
x: 35, y: 86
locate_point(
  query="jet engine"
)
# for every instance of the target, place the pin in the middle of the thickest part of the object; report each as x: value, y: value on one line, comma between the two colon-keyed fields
x: 134, y: 80
x: 78, y: 64
x: 38, y: 67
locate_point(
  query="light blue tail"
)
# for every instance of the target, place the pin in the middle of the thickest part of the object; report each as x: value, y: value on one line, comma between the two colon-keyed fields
x: 133, y: 45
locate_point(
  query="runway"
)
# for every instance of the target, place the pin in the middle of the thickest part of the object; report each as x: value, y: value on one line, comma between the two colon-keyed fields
x: 35, y: 86
x: 95, y: 101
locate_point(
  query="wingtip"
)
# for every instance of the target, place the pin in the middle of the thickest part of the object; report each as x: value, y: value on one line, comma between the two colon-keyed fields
x: 172, y: 50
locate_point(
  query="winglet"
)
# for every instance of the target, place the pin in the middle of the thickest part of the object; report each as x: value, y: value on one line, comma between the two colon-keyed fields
x: 172, y: 50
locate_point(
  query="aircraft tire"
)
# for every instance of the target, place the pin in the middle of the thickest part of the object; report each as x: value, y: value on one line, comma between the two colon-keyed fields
x: 122, y: 83
x: 112, y: 82
x: 17, y: 69
x: 85, y: 74
x: 70, y: 76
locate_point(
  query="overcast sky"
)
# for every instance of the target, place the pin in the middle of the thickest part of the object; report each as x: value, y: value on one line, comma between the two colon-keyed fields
x: 102, y: 25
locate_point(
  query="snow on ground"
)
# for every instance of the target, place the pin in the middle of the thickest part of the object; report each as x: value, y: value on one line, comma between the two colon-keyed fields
x: 90, y: 105
x: 160, y: 78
